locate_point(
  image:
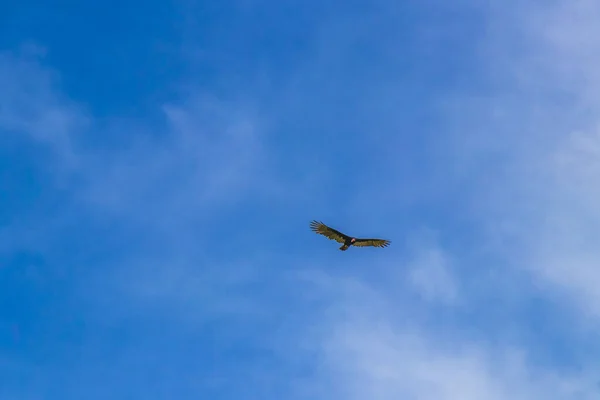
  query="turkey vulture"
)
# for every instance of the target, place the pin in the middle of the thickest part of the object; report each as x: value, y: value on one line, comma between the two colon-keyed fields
x: 322, y: 229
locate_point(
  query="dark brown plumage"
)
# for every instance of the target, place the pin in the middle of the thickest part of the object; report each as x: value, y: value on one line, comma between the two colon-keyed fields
x: 322, y: 229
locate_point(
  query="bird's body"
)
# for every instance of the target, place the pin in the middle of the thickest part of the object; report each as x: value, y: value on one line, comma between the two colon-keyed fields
x: 322, y: 229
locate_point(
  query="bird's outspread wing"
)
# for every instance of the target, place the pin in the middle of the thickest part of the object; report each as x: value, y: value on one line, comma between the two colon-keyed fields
x: 322, y: 229
x: 372, y: 242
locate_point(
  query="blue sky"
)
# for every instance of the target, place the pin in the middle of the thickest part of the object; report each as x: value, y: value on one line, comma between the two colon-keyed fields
x: 161, y: 162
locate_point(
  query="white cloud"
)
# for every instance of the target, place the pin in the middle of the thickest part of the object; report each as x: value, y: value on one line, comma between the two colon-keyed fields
x: 31, y: 104
x: 208, y: 157
x: 158, y: 189
x: 368, y: 347
x: 531, y: 144
x: 431, y: 275
x: 564, y: 239
x: 379, y: 362
x: 564, y: 234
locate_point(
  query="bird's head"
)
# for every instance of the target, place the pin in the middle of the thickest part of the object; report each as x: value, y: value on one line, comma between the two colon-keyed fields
x: 352, y: 240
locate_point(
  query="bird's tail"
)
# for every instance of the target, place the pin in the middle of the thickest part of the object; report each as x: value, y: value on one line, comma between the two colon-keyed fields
x: 344, y: 247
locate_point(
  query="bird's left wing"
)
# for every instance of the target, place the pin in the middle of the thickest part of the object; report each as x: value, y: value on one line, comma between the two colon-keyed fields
x: 322, y: 229
x: 372, y: 242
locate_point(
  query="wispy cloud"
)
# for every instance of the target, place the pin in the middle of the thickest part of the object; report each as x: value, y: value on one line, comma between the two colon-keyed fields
x: 432, y: 277
x: 207, y: 156
x: 384, y: 363
x: 543, y: 122
x: 31, y: 105
x: 369, y: 346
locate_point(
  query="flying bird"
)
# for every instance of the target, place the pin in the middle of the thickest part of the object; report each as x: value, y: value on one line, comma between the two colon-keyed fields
x: 322, y: 229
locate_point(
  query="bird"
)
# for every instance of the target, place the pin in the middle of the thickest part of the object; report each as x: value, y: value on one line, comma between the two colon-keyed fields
x: 322, y: 229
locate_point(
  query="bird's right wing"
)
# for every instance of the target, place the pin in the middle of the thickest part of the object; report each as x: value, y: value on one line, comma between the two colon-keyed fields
x: 322, y: 229
x: 372, y: 242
